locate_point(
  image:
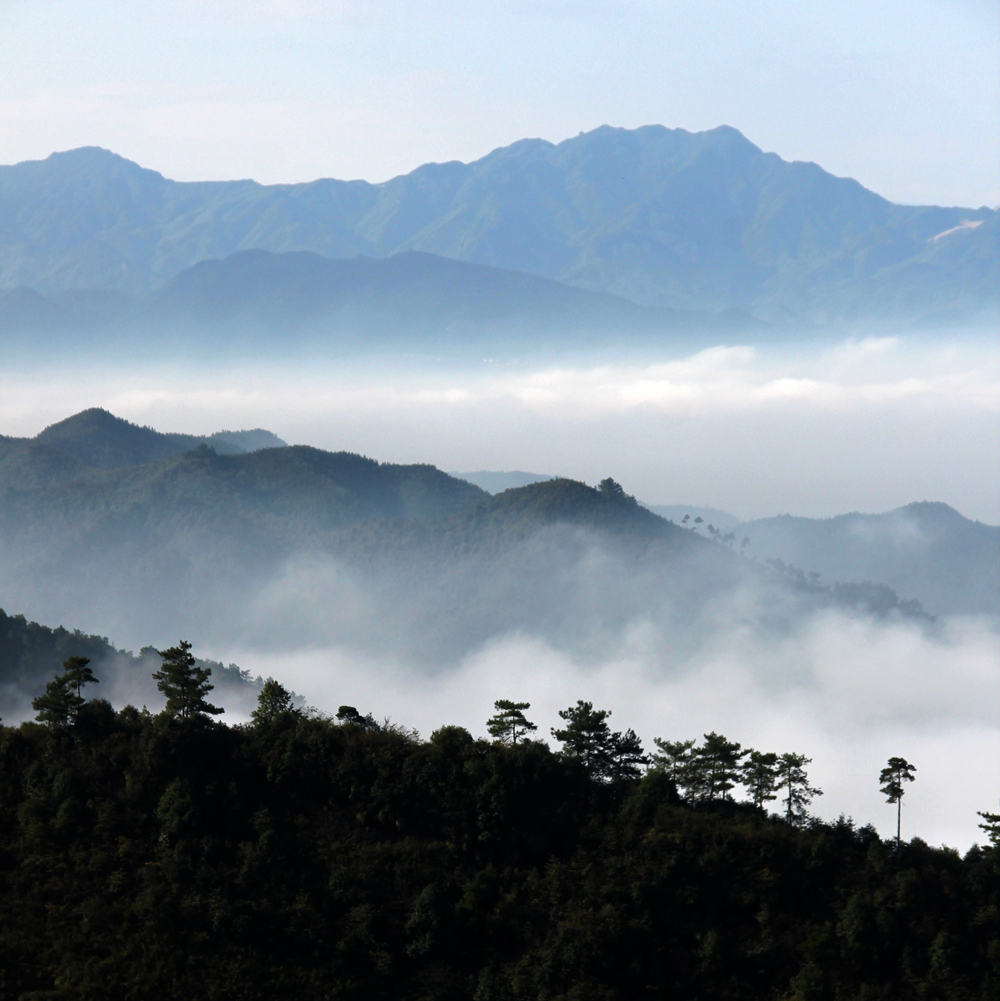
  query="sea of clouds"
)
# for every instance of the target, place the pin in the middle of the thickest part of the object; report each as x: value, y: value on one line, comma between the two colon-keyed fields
x: 816, y: 429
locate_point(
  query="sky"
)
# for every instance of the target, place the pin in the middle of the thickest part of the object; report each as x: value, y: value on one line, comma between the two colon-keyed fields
x: 903, y: 96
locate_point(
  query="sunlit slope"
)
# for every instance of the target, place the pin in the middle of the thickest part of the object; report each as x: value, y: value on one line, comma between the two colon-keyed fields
x: 663, y: 217
x: 927, y: 550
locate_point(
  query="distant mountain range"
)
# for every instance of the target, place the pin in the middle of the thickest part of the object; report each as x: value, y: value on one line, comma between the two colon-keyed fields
x: 664, y: 218
x: 927, y: 550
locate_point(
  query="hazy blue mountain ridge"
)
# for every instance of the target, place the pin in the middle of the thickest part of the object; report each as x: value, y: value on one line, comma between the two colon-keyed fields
x: 658, y: 216
x: 925, y: 550
x: 412, y: 300
x: 98, y: 438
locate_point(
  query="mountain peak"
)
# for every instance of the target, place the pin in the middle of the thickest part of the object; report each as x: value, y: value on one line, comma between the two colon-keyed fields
x: 663, y: 217
x: 97, y: 437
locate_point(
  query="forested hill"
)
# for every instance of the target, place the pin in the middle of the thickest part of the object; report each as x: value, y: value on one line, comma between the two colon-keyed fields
x: 98, y: 439
x: 397, y: 558
x: 276, y: 492
x: 32, y: 653
x: 308, y: 858
x: 662, y: 217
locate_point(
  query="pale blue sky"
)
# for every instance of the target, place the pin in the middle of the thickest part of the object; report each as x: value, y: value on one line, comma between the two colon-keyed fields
x: 904, y: 96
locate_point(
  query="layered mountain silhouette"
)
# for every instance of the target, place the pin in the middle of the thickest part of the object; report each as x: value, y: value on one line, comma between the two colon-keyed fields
x: 664, y: 218
x: 103, y: 523
x: 96, y: 438
x: 412, y: 298
x: 928, y: 550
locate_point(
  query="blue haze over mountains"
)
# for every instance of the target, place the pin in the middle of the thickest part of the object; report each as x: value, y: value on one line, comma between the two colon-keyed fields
x: 665, y: 220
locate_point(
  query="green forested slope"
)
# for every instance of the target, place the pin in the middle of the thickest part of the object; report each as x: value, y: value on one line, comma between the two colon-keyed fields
x: 144, y: 858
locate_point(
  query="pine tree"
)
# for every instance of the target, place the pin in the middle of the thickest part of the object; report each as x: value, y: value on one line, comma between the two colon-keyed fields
x: 273, y: 701
x: 891, y: 779
x: 184, y: 683
x: 626, y: 755
x: 348, y: 714
x: 58, y: 705
x: 78, y: 674
x: 715, y: 767
x: 793, y: 779
x: 991, y: 827
x: 509, y: 723
x: 759, y: 775
x: 587, y: 737
x: 675, y: 760
x: 62, y: 699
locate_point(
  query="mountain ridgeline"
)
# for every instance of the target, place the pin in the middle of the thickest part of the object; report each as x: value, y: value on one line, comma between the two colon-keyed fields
x: 107, y: 525
x: 412, y: 300
x: 666, y: 219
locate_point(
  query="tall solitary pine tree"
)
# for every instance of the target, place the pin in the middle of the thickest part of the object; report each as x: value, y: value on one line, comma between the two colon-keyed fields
x: 891, y: 779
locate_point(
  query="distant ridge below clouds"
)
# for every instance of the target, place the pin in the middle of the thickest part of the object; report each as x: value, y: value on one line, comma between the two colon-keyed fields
x: 664, y: 218
x: 411, y: 300
x: 927, y: 550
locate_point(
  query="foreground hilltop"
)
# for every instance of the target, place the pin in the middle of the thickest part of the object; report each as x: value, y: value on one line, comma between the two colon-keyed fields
x: 666, y: 218
x: 308, y: 858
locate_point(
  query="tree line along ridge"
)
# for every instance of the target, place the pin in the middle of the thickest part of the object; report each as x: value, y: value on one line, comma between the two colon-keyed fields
x: 307, y: 856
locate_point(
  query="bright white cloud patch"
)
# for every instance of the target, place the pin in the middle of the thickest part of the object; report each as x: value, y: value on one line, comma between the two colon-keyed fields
x: 814, y: 429
x: 849, y: 693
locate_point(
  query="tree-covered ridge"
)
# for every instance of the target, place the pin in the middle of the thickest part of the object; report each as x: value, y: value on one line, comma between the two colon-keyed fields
x: 96, y: 438
x: 304, y: 857
x: 30, y: 654
x: 284, y: 491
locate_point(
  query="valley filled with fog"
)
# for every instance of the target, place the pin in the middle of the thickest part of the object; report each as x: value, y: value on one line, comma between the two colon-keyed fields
x: 428, y: 621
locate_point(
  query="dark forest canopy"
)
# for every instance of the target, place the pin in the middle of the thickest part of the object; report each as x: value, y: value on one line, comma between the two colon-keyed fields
x: 300, y: 856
